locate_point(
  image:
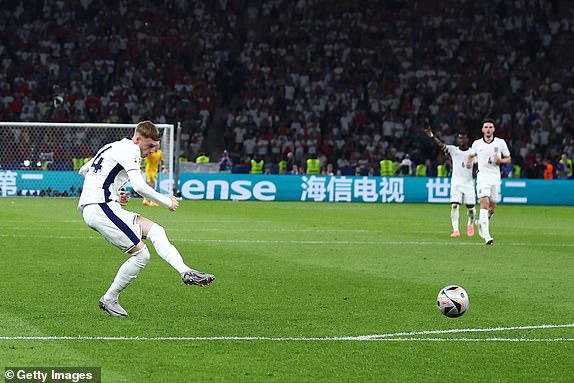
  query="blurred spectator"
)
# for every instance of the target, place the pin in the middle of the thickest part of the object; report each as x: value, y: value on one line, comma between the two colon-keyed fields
x: 202, y: 158
x: 349, y: 81
x: 564, y: 167
x: 507, y: 170
x: 257, y: 165
x: 405, y: 167
x: 548, y: 169
x: 313, y: 165
x: 536, y: 168
x: 225, y: 163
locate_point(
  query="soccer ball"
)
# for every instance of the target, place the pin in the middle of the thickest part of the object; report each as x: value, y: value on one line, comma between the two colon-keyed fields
x: 452, y: 301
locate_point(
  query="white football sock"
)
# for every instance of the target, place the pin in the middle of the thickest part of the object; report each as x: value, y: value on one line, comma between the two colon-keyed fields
x: 127, y: 272
x: 165, y: 249
x: 483, y: 221
x: 454, y: 216
x: 471, y: 214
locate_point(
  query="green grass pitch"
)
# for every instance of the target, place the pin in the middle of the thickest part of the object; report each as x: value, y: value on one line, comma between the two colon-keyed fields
x: 300, y: 288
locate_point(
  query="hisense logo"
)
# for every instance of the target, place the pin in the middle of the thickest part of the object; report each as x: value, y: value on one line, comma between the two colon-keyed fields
x: 223, y: 190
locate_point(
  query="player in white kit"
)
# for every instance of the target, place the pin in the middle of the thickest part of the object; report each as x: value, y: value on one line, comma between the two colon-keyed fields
x: 489, y: 152
x: 461, y: 182
x: 101, y: 204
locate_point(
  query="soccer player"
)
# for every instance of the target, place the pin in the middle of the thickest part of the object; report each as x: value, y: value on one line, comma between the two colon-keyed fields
x: 101, y: 204
x: 152, y: 163
x: 461, y: 182
x: 490, y: 152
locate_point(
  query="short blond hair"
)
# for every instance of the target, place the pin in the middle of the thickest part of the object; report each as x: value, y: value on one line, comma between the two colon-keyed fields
x: 147, y: 129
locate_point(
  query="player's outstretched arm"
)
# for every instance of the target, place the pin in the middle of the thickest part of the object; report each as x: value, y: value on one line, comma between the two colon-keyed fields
x: 431, y: 135
x: 143, y: 189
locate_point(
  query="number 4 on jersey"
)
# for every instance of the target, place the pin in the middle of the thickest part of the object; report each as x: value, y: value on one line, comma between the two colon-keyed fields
x: 97, y: 164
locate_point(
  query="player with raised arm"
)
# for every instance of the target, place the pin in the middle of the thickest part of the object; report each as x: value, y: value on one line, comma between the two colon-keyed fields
x: 461, y: 182
x: 490, y: 152
x: 101, y: 204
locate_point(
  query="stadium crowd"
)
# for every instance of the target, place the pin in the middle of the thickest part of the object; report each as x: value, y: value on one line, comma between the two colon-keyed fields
x: 349, y: 82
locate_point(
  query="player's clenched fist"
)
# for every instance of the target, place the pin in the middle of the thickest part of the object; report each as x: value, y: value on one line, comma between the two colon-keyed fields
x: 174, y: 204
x: 123, y: 197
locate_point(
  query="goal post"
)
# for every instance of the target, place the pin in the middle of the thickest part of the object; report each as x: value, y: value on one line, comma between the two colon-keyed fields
x: 42, y: 159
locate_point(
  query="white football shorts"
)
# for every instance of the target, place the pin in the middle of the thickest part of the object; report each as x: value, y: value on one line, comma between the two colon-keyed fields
x: 463, y: 194
x: 488, y: 190
x: 116, y: 225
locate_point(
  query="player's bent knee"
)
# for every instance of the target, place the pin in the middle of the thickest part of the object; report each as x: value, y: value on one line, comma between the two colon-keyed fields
x: 141, y: 258
x: 156, y: 232
x: 136, y: 248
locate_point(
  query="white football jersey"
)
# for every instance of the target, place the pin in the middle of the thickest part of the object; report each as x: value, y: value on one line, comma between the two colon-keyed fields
x: 488, y: 169
x: 460, y: 173
x: 107, y: 171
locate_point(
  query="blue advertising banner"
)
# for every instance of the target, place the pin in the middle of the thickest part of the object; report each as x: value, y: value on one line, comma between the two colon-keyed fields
x: 47, y: 183
x: 360, y: 189
x: 39, y: 183
x: 244, y: 187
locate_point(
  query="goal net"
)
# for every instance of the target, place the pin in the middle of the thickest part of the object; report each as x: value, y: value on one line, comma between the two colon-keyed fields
x: 42, y: 159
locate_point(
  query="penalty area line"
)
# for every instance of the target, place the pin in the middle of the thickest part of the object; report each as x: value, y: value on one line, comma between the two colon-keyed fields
x: 413, y: 336
x: 308, y: 242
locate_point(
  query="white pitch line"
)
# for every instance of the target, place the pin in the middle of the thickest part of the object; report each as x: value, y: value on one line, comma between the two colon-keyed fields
x: 310, y: 242
x: 400, y: 336
x: 270, y: 339
x: 237, y: 339
x: 515, y: 340
x: 467, y: 330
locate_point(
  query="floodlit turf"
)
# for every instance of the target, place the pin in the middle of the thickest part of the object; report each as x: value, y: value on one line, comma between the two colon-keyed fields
x: 293, y: 279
